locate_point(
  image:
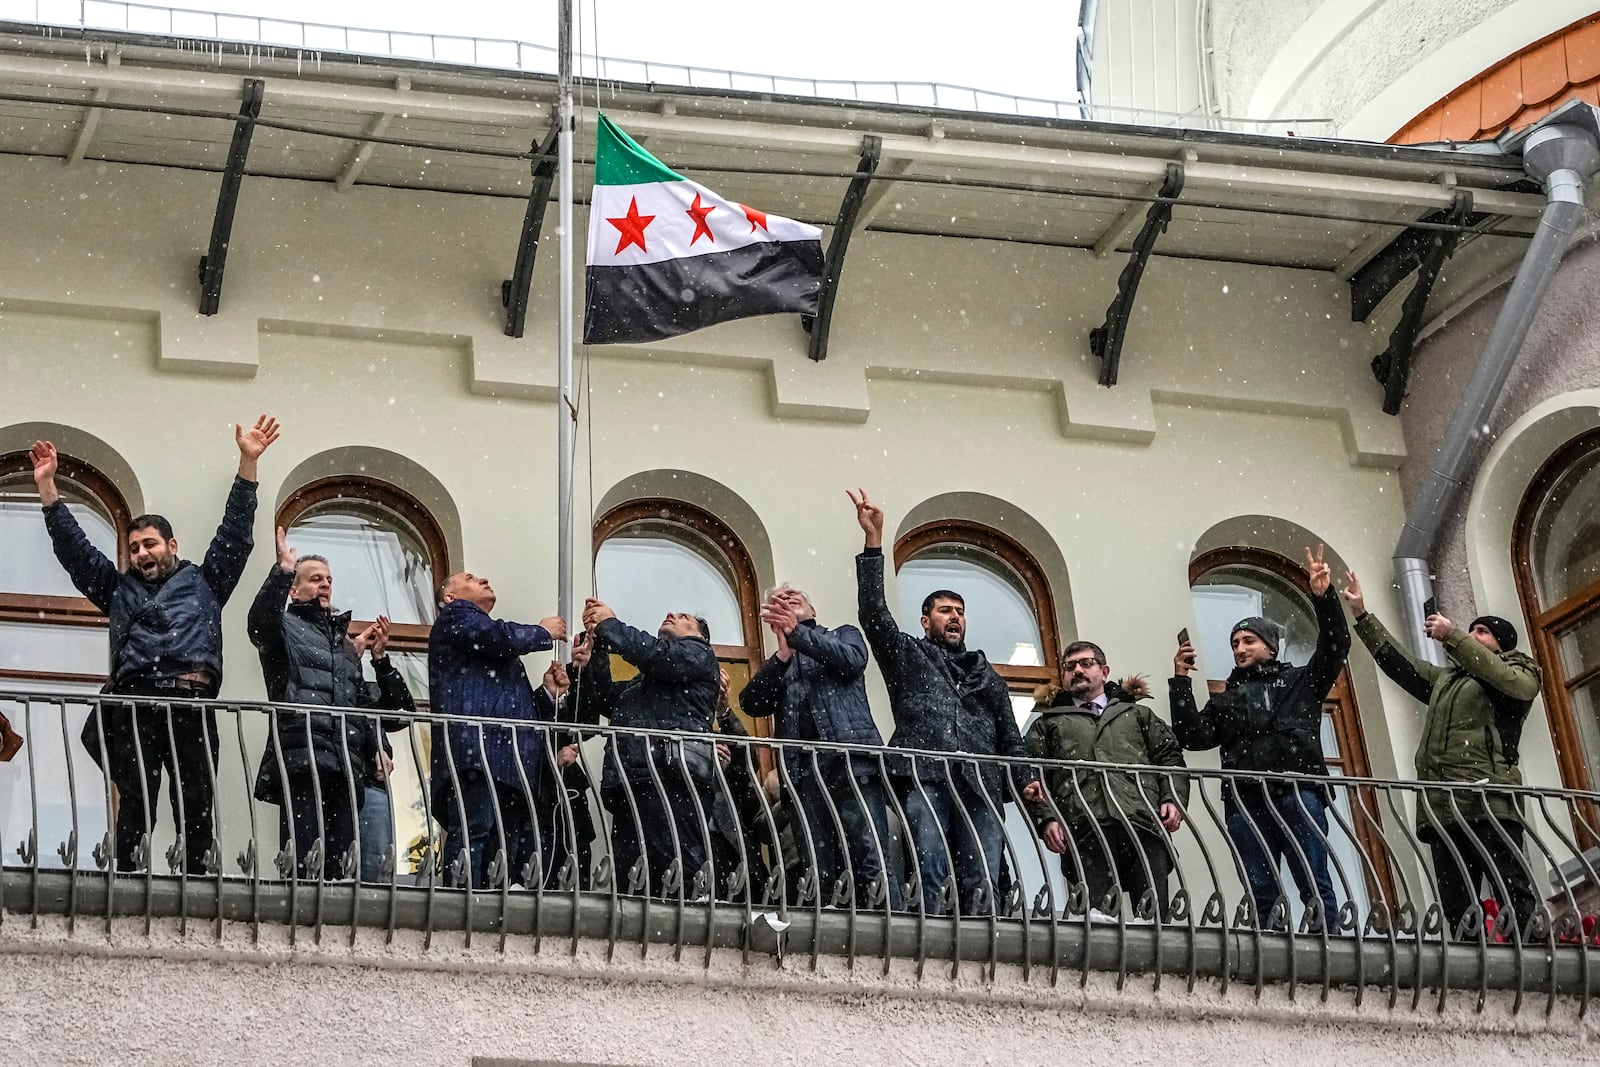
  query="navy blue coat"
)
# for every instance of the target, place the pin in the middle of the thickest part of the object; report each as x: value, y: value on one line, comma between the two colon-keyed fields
x: 475, y: 668
x: 173, y: 625
x: 676, y: 689
x: 943, y: 699
x: 824, y: 681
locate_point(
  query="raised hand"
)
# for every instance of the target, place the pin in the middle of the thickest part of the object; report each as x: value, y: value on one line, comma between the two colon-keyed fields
x: 556, y: 682
x: 1319, y: 573
x: 779, y: 615
x: 556, y: 625
x: 45, y: 463
x: 869, y: 515
x: 288, y: 558
x: 1352, y: 594
x: 1183, y: 662
x: 582, y: 649
x: 596, y: 612
x: 1437, y: 626
x: 722, y: 688
x: 253, y: 442
x: 379, y: 644
x: 364, y: 639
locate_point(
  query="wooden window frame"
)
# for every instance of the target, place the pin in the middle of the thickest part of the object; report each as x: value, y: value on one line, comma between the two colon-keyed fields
x: 709, y: 530
x: 965, y: 533
x: 65, y: 610
x: 363, y: 489
x: 1547, y: 625
x: 1353, y: 759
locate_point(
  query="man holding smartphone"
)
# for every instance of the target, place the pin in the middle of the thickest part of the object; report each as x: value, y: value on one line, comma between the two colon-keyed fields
x: 1268, y: 719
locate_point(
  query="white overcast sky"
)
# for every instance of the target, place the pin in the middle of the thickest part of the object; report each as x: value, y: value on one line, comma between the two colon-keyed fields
x: 1023, y: 47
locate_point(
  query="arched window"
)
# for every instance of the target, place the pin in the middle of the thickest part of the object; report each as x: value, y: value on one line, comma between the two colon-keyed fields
x: 657, y: 556
x: 1229, y: 584
x: 1556, y: 553
x: 1011, y: 612
x: 48, y: 632
x: 52, y: 640
x: 385, y: 550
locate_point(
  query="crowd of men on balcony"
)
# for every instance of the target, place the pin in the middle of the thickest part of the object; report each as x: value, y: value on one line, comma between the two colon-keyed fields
x: 509, y: 805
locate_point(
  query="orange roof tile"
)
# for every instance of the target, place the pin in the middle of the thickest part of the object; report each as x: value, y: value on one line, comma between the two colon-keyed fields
x: 1583, y: 52
x: 1502, y: 94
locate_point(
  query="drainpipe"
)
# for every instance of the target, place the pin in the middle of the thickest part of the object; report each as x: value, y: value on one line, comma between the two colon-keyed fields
x: 1561, y: 153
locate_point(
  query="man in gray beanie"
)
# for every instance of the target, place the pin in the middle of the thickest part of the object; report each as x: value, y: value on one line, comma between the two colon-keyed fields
x: 1476, y: 707
x: 1268, y: 719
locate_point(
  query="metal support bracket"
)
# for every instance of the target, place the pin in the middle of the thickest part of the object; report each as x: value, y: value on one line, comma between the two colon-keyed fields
x: 216, y: 257
x: 1105, y: 341
x: 514, y: 290
x: 833, y: 264
x: 1392, y: 366
x: 1393, y: 264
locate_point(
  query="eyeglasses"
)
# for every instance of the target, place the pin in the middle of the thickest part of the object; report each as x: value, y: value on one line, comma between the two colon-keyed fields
x: 1086, y: 662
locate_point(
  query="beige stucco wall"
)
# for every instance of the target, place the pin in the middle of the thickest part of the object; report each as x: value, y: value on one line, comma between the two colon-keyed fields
x: 369, y: 323
x: 87, y: 998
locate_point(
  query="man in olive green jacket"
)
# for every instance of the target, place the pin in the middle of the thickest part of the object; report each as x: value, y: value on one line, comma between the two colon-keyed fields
x: 1475, y: 837
x: 1117, y: 821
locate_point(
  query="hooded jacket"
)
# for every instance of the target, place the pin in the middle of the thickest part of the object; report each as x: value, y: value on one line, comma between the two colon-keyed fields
x: 1460, y: 739
x: 943, y: 699
x: 1269, y: 715
x: 307, y: 657
x: 1126, y: 732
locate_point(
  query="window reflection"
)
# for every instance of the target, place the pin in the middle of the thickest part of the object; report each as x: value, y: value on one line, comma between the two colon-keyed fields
x: 380, y: 563
x: 1225, y: 595
x: 1566, y: 532
x: 28, y: 566
x: 646, y: 569
x: 1000, y: 614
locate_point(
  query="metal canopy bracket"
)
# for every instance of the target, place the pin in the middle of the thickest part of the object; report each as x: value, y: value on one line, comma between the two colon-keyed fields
x: 1377, y: 277
x: 833, y: 264
x: 1105, y: 341
x: 216, y: 257
x: 1392, y: 367
x: 514, y: 290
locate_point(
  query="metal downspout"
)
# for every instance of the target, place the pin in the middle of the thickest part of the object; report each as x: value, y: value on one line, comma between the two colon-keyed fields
x: 1561, y: 155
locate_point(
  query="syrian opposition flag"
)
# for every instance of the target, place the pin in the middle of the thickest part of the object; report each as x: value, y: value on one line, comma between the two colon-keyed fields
x: 667, y: 255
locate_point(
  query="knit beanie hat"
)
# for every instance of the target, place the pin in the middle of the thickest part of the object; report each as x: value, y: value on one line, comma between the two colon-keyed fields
x: 1503, y: 631
x: 1262, y: 629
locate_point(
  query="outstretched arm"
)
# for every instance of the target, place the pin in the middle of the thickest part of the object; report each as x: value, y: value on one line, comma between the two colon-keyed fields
x: 1517, y: 680
x: 1413, y: 675
x: 94, y: 575
x: 677, y: 659
x: 229, y: 550
x: 842, y: 651
x: 1333, y: 633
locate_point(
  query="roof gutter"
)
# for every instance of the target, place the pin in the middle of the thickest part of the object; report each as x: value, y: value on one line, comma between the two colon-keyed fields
x: 1561, y: 152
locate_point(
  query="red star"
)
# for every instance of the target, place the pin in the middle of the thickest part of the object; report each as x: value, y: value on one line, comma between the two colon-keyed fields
x: 631, y: 226
x: 757, y: 218
x: 699, y: 213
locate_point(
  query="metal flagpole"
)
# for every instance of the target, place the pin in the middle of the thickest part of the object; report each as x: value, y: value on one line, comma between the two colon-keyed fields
x: 566, y: 408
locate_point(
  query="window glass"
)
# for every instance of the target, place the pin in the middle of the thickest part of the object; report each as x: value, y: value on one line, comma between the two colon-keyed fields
x: 28, y: 565
x: 380, y: 564
x: 1566, y: 533
x: 646, y: 570
x: 1000, y: 614
x: 1224, y: 596
x: 52, y: 649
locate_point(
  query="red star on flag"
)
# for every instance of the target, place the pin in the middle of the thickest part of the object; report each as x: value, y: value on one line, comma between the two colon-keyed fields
x: 757, y: 218
x: 699, y: 213
x: 631, y: 226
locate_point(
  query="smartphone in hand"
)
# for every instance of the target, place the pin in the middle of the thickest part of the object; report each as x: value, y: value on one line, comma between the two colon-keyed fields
x: 1183, y: 637
x: 1430, y: 606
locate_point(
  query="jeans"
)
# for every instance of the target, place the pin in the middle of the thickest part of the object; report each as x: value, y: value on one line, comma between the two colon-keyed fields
x: 139, y: 742
x: 865, y: 826
x: 482, y: 832
x: 1309, y: 831
x: 1458, y: 888
x: 937, y: 819
x: 1121, y: 862
x: 659, y: 816
x: 332, y: 822
x: 377, y: 833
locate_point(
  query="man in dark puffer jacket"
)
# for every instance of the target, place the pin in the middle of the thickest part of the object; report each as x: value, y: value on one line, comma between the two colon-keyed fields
x: 308, y: 657
x: 1269, y: 718
x: 166, y: 643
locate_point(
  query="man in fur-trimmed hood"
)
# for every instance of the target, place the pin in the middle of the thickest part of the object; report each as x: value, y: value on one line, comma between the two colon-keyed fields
x: 1110, y: 827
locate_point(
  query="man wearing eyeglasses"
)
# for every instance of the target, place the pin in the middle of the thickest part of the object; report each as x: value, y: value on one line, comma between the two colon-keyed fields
x: 1109, y: 827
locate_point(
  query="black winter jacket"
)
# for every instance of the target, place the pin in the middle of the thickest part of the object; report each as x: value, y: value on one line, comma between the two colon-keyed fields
x: 173, y: 625
x: 943, y: 699
x: 1269, y: 718
x: 676, y: 689
x: 307, y: 658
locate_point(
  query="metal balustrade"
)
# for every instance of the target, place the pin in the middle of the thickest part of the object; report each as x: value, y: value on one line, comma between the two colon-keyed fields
x: 741, y: 865
x: 274, y: 37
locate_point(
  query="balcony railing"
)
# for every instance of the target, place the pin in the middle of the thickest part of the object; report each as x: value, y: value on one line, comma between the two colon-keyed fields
x: 707, y: 841
x: 273, y: 37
